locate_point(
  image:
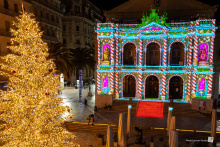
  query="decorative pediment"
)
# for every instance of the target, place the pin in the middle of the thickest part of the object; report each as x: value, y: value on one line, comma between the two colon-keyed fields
x: 153, y: 27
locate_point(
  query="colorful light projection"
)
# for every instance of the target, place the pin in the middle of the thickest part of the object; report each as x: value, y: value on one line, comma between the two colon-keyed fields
x: 202, y: 84
x: 105, y: 83
x: 203, y: 52
x: 106, y: 52
x: 154, y: 27
x: 202, y: 89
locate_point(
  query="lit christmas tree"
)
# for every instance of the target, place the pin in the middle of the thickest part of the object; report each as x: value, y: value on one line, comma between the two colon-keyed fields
x: 29, y: 107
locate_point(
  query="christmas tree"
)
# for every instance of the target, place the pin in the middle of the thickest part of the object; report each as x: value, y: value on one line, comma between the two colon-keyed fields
x: 29, y: 106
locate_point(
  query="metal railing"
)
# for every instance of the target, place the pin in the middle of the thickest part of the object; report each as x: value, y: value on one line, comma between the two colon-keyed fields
x: 4, y: 33
x: 49, y: 38
x: 8, y: 12
x: 53, y: 7
x: 41, y: 19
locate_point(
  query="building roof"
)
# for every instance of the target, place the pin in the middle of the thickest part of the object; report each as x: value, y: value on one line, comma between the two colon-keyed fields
x: 176, y: 9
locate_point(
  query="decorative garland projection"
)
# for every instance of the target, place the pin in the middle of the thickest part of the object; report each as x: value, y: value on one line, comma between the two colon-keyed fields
x: 156, y: 59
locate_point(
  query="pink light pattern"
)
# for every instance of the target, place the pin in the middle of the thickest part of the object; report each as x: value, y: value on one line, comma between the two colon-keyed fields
x: 202, y: 84
x: 203, y: 52
x: 105, y: 82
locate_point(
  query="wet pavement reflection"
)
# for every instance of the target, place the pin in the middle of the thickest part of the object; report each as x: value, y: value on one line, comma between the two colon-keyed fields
x: 79, y: 111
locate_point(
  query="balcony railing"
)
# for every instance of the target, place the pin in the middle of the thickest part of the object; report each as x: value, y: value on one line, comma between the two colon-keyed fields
x: 82, y: 15
x: 53, y: 7
x: 8, y: 12
x: 4, y: 33
x: 49, y: 38
x: 40, y: 19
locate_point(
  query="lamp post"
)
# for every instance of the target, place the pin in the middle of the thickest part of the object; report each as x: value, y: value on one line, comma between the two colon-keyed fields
x: 129, y: 120
x: 170, y: 111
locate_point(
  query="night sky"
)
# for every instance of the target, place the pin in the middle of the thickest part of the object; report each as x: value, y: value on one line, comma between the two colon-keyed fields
x: 107, y: 4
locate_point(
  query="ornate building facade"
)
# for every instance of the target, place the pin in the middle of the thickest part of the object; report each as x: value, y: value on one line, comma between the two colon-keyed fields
x: 177, y: 11
x: 156, y: 60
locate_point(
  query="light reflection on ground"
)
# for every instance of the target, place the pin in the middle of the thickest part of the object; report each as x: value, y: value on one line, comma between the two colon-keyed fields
x: 71, y: 96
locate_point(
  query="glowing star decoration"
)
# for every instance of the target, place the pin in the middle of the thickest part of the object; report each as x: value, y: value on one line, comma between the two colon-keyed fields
x: 36, y: 119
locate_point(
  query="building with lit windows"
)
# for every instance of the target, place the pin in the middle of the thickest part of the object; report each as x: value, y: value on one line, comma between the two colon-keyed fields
x: 9, y: 9
x: 79, y: 22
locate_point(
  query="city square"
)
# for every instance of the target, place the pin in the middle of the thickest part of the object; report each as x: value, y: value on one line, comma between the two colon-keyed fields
x: 93, y: 73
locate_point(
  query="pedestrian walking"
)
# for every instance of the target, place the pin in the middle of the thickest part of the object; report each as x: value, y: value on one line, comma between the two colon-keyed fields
x: 85, y: 101
x: 88, y: 119
x: 92, y: 119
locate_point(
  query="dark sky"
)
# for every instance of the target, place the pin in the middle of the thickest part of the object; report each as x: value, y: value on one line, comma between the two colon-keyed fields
x: 107, y: 4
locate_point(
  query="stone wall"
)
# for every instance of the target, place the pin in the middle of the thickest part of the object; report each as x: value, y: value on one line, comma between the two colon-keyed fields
x: 101, y: 100
x: 205, y: 108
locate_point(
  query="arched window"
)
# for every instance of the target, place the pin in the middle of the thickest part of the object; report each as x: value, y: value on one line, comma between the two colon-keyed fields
x: 152, y: 87
x: 153, y: 54
x: 129, y: 54
x: 176, y: 88
x: 129, y: 86
x: 177, y: 54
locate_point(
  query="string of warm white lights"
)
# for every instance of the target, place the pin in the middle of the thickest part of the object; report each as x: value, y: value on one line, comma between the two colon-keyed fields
x: 29, y: 107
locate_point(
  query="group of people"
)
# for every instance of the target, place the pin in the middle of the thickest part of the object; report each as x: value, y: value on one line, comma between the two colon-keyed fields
x: 90, y: 118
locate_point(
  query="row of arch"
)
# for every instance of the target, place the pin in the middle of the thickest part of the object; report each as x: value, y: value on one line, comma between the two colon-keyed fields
x: 152, y: 87
x: 153, y: 54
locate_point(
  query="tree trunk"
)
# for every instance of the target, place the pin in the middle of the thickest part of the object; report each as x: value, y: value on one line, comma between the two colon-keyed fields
x: 80, y: 85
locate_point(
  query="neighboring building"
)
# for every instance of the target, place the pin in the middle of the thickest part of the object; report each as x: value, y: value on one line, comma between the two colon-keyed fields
x: 177, y: 11
x: 9, y: 9
x: 79, y: 24
x: 49, y: 15
x: 156, y: 60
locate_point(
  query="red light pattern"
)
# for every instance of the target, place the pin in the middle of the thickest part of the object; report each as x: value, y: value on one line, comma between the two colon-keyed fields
x: 150, y: 109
